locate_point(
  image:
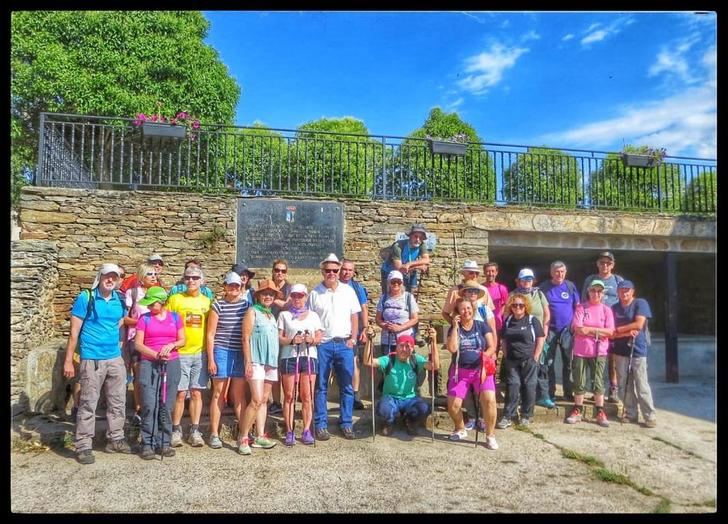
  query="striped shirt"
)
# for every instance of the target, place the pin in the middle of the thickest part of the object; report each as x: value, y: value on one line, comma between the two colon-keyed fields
x: 229, y: 333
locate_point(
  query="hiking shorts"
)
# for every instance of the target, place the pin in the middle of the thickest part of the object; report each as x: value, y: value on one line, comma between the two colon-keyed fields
x: 288, y: 366
x: 466, y: 378
x: 193, y: 369
x: 230, y: 363
x: 262, y: 372
x: 595, y: 366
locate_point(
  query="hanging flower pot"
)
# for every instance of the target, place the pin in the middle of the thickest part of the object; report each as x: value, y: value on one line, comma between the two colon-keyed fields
x: 155, y: 129
x: 448, y: 148
x: 632, y: 160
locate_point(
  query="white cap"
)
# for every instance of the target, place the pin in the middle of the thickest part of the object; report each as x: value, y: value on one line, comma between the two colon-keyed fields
x: 525, y: 273
x: 470, y: 265
x: 105, y: 269
x: 394, y: 275
x: 233, y: 278
x: 299, y: 288
x: 154, y: 258
x: 332, y: 258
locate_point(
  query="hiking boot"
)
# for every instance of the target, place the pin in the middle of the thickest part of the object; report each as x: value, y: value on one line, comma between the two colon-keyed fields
x: 307, y: 437
x: 410, y: 426
x: 275, y: 408
x: 504, y: 423
x: 574, y: 416
x: 118, y: 446
x: 387, y: 430
x: 322, y: 434
x: 85, y: 456
x: 290, y: 439
x: 602, y: 419
x: 491, y: 443
x: 524, y: 422
x: 613, y: 397
x: 244, y: 447
x: 650, y: 423
x: 546, y: 403
x: 166, y: 451
x: 263, y: 442
x: 147, y: 453
x: 195, y: 439
x: 459, y: 435
x: 176, y: 439
x: 215, y: 442
x: 348, y: 433
x: 358, y: 404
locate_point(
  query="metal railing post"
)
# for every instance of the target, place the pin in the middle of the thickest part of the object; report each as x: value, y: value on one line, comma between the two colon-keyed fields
x: 41, y: 151
x: 384, y: 168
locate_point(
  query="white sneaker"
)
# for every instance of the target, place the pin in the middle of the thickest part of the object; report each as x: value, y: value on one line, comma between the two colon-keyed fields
x: 459, y: 435
x: 176, y: 439
x: 195, y: 439
x: 491, y: 443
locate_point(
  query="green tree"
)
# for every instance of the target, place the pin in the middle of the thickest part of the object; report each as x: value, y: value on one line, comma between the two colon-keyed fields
x: 116, y: 63
x: 413, y: 171
x: 701, y: 193
x: 544, y: 176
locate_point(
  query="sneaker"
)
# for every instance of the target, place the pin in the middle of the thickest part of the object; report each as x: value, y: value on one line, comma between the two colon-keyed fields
x: 290, y: 439
x: 602, y: 419
x: 195, y: 439
x: 322, y: 434
x: 613, y: 396
x: 358, y: 404
x: 147, y: 453
x: 215, y: 442
x: 244, y: 448
x: 491, y: 443
x: 410, y: 426
x: 118, y: 446
x: 166, y: 451
x: 176, y: 439
x: 348, y: 433
x: 504, y: 423
x: 481, y: 425
x: 650, y: 423
x: 263, y: 442
x: 574, y: 417
x: 85, y: 457
x: 524, y: 422
x: 275, y: 408
x: 307, y: 437
x: 136, y: 420
x: 387, y: 430
x: 470, y: 424
x: 546, y: 403
x: 459, y: 435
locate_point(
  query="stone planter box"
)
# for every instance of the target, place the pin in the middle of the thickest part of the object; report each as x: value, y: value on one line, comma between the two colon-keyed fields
x: 448, y: 148
x: 632, y: 160
x: 152, y: 129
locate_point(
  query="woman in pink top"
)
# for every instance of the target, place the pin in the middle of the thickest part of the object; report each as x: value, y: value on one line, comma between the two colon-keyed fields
x: 593, y: 324
x: 159, y: 334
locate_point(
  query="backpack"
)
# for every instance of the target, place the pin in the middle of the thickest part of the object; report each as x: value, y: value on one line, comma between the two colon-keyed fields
x: 408, y: 305
x: 544, y: 351
x: 386, y: 252
x: 420, y: 372
x: 91, y: 306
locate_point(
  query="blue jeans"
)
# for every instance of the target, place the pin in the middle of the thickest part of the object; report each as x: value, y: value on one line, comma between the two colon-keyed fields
x: 389, y: 408
x: 341, y: 357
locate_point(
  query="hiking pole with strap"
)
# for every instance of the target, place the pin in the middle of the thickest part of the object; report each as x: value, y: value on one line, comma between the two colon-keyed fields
x: 368, y: 351
x: 629, y: 374
x: 433, y: 348
x: 295, y: 388
x: 163, y: 406
x: 311, y: 391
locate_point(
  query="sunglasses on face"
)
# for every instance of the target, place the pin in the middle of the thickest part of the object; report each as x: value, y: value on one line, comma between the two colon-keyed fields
x: 327, y: 271
x: 514, y: 306
x: 395, y: 282
x: 192, y: 278
x: 150, y: 274
x: 279, y: 270
x: 297, y: 295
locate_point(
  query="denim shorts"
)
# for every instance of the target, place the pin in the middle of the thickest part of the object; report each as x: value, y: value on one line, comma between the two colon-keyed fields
x: 230, y: 363
x: 193, y: 369
x: 288, y: 366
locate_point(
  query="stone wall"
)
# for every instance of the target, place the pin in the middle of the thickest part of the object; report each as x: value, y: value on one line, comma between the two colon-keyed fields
x: 33, y: 283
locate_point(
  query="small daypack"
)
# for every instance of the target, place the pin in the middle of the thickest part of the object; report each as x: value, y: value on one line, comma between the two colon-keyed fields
x: 408, y: 304
x: 420, y: 372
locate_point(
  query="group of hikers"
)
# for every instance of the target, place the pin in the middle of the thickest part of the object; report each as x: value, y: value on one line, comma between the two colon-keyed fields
x: 248, y: 343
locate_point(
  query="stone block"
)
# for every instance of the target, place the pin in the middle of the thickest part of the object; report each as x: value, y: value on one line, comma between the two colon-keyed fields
x: 45, y: 384
x: 46, y: 217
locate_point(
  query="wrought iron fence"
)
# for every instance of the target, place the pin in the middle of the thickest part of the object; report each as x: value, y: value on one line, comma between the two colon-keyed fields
x: 107, y: 152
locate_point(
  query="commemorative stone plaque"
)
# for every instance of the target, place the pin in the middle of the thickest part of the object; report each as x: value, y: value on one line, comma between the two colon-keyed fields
x: 302, y: 232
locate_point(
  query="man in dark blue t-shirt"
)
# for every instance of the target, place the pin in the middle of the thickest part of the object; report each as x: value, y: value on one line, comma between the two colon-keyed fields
x: 631, y: 335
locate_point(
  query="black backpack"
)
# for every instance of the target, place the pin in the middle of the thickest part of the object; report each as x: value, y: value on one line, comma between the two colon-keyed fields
x: 420, y: 372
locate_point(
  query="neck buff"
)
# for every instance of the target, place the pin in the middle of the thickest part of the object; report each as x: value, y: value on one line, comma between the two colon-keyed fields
x: 262, y: 309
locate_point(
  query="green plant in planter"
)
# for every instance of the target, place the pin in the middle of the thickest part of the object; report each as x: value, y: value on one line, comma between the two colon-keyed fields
x: 643, y: 156
x: 209, y: 240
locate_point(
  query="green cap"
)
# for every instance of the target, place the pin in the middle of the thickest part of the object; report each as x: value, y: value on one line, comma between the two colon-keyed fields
x: 597, y: 282
x: 154, y: 294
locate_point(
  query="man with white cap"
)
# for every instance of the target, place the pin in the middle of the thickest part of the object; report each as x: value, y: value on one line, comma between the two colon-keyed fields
x: 469, y: 271
x: 193, y: 307
x: 409, y: 257
x: 97, y: 328
x: 338, y: 308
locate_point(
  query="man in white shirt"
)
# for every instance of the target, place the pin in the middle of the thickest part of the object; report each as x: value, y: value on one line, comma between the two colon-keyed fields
x: 338, y: 307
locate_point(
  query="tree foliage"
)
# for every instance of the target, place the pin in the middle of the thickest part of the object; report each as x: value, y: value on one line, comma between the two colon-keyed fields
x: 701, y: 193
x: 116, y: 63
x: 543, y: 176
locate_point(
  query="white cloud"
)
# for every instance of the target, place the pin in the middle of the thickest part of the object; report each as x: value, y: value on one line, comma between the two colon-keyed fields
x: 452, y: 106
x: 531, y: 35
x: 673, y: 61
x: 596, y: 36
x: 486, y: 69
x: 593, y: 27
x: 505, y: 24
x: 567, y: 37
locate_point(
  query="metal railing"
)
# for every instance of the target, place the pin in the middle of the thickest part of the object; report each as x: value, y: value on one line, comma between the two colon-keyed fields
x: 108, y: 152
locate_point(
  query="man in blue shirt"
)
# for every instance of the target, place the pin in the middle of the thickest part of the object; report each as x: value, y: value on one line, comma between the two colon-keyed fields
x: 563, y: 298
x: 346, y: 275
x: 97, y: 329
x: 409, y: 257
x: 630, y: 320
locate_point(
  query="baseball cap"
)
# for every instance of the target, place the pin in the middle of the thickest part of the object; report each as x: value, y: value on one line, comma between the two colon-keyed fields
x: 233, y: 278
x: 299, y: 288
x: 155, y: 258
x: 470, y: 265
x: 394, y: 275
x: 625, y: 284
x: 525, y: 273
x: 154, y: 294
x: 596, y: 282
x: 606, y: 254
x: 406, y: 339
x: 241, y: 268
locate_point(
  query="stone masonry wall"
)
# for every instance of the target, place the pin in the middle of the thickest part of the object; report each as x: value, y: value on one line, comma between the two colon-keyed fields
x: 33, y: 282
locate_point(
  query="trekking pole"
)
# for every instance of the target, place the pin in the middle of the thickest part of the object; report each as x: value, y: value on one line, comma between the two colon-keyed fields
x: 311, y: 391
x: 292, y: 419
x: 629, y: 373
x: 163, y: 406
x: 368, y: 351
x: 433, y: 348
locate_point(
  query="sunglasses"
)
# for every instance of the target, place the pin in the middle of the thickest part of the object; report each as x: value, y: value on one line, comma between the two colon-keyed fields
x: 279, y: 270
x: 297, y: 295
x: 192, y: 278
x: 472, y: 291
x: 150, y: 274
x: 395, y: 282
x: 331, y: 271
x: 513, y: 306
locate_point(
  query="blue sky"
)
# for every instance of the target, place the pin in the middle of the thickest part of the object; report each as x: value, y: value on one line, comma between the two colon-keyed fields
x: 575, y: 80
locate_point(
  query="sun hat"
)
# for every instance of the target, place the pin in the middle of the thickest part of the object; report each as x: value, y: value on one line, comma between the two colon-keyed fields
x: 525, y: 273
x: 105, y: 269
x: 418, y: 228
x: 332, y: 258
x: 470, y: 265
x: 596, y: 282
x: 233, y: 278
x: 268, y: 284
x: 155, y: 258
x: 154, y: 294
x: 298, y: 288
x: 472, y: 284
x: 394, y: 275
